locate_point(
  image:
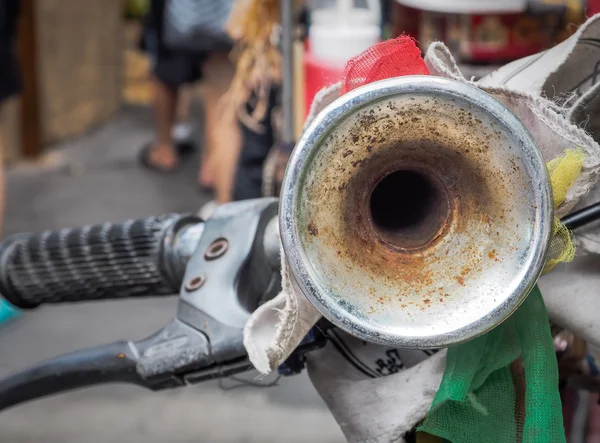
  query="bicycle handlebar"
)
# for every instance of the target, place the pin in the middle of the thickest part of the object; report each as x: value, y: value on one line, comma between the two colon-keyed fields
x: 222, y: 269
x: 136, y: 258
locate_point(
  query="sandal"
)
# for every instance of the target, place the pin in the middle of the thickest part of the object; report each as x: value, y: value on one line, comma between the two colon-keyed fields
x: 145, y: 161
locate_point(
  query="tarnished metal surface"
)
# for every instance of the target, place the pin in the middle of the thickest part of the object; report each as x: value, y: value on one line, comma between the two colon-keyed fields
x: 432, y: 255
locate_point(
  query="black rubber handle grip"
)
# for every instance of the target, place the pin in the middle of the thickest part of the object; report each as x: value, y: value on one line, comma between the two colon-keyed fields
x: 90, y: 263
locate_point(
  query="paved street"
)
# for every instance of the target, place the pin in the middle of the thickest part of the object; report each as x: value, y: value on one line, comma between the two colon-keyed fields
x: 93, y: 179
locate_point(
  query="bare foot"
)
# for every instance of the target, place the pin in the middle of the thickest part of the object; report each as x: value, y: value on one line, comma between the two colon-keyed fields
x: 163, y: 157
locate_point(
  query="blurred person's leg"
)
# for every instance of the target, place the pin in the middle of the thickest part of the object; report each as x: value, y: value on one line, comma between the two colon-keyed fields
x: 206, y: 178
x: 162, y: 153
x: 256, y: 146
x: 222, y: 133
x: 170, y: 71
x: 182, y: 132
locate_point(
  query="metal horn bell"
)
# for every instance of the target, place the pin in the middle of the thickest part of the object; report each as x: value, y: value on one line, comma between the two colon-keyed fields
x: 416, y: 212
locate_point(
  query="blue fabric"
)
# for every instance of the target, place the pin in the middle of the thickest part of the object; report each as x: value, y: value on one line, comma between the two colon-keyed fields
x: 7, y: 311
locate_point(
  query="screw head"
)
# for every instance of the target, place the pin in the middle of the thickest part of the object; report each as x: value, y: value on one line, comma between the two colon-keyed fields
x: 195, y: 283
x: 216, y: 249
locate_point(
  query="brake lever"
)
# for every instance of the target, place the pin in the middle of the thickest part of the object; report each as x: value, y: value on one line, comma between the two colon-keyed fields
x: 115, y: 362
x: 235, y: 266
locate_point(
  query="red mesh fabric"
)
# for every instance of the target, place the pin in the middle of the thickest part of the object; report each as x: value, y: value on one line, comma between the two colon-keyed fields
x: 391, y: 58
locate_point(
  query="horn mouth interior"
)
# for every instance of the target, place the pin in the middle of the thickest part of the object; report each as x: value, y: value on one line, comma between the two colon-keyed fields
x: 408, y: 208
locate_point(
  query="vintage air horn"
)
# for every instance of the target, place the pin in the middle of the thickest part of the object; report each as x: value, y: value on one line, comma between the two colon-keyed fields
x: 416, y: 212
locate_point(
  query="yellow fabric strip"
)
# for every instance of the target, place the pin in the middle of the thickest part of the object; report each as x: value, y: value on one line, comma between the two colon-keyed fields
x: 563, y: 172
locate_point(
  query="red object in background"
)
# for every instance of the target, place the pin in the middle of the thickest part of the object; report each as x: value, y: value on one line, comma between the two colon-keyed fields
x: 510, y: 36
x: 317, y: 75
x: 391, y: 58
x: 495, y: 37
x: 593, y: 7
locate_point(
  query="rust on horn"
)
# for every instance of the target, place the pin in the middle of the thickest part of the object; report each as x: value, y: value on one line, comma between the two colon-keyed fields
x: 416, y: 212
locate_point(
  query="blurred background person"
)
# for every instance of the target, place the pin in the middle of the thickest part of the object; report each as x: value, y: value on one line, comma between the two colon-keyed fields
x: 221, y: 133
x: 255, y: 90
x: 172, y: 70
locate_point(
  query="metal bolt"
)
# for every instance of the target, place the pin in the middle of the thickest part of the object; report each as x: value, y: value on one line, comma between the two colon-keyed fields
x: 195, y: 283
x: 216, y: 249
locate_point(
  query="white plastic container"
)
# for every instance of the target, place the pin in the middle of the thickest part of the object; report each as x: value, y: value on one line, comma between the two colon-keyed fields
x: 467, y: 6
x: 342, y: 29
